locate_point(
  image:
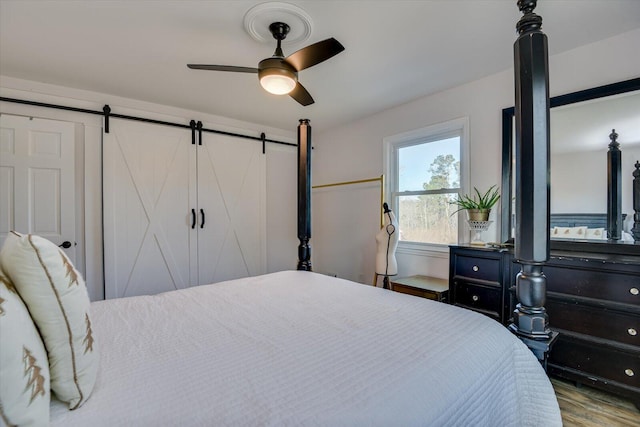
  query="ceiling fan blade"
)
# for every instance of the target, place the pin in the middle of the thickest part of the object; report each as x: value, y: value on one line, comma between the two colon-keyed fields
x: 300, y: 94
x: 223, y: 68
x: 314, y: 54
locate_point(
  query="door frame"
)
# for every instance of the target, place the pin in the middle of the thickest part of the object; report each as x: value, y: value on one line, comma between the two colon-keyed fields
x: 88, y: 188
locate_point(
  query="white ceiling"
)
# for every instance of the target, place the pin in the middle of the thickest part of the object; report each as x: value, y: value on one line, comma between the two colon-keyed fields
x: 396, y: 51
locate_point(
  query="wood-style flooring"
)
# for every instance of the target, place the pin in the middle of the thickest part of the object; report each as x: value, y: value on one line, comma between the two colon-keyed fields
x: 588, y: 407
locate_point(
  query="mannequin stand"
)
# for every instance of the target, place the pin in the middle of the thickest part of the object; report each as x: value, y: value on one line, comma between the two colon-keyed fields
x: 385, y: 281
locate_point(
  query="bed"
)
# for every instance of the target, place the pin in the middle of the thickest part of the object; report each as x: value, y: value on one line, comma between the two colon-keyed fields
x: 285, y: 348
x: 583, y: 226
x: 301, y: 348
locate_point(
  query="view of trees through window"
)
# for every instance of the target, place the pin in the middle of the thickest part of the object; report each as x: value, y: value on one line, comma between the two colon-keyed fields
x: 432, y: 180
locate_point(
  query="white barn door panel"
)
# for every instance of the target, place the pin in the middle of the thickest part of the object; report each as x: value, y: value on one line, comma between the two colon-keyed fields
x: 149, y: 191
x: 37, y: 179
x: 231, y: 193
x: 178, y: 214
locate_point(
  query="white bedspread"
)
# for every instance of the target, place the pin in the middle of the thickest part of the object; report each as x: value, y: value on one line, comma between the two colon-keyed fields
x: 300, y: 348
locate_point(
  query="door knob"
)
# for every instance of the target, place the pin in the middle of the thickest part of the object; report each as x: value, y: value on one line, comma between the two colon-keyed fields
x: 66, y: 244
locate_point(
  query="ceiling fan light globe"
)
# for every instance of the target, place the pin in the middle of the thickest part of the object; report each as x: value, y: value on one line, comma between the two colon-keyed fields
x: 277, y: 84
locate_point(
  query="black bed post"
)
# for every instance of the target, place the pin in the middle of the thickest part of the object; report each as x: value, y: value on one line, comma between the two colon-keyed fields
x: 614, y: 188
x: 530, y: 320
x: 635, y: 231
x: 304, y: 195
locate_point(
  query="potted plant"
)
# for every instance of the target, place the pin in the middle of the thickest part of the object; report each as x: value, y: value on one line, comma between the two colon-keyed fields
x: 478, y: 206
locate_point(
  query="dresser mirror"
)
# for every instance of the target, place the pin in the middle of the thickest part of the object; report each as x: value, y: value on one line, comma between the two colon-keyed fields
x: 581, y: 125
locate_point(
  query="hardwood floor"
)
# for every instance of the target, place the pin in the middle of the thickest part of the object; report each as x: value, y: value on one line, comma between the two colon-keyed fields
x: 588, y: 407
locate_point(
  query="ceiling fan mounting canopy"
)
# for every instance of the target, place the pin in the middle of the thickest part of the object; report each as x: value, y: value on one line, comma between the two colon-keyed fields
x: 279, y: 30
x: 279, y: 75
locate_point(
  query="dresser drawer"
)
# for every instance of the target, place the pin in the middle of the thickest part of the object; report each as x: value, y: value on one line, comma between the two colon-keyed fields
x: 597, y: 360
x: 598, y: 322
x: 606, y: 285
x: 485, y: 299
x: 478, y: 268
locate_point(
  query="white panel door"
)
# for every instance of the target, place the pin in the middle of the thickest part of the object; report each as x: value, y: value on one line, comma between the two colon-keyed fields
x: 37, y: 179
x: 231, y: 193
x: 149, y: 191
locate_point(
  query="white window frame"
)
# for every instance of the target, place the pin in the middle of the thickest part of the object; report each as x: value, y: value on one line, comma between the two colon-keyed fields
x: 435, y: 132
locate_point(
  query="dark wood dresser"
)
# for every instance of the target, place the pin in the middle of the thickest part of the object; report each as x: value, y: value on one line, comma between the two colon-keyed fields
x: 593, y: 301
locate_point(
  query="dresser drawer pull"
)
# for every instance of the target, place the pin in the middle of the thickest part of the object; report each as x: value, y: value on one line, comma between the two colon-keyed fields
x: 476, y: 268
x: 475, y: 298
x: 634, y: 291
x: 632, y: 332
x: 629, y: 372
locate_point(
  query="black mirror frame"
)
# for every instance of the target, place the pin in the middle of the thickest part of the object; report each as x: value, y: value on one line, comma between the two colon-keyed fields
x: 507, y: 156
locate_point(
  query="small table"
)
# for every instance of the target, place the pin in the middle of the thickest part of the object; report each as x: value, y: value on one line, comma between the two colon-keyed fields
x: 422, y: 286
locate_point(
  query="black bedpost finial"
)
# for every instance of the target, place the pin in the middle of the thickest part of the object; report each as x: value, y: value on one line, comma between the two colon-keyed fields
x: 529, y: 21
x: 613, y: 136
x: 635, y: 231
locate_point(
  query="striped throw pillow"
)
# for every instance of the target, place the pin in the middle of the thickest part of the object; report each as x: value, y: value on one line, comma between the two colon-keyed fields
x: 24, y: 368
x: 57, y: 299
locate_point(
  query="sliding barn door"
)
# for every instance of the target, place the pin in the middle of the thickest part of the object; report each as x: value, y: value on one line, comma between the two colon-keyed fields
x: 178, y: 214
x: 149, y: 191
x: 37, y: 179
x: 231, y: 193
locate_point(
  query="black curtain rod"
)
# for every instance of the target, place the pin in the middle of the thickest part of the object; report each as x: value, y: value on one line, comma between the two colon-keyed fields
x: 106, y: 113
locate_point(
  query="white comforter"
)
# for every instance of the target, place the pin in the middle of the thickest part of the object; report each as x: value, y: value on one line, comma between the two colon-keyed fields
x: 299, y: 348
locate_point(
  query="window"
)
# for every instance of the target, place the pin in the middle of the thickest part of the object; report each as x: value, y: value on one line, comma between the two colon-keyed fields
x: 425, y: 171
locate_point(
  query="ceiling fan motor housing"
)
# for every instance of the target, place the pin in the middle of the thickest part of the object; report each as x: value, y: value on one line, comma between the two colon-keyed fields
x: 276, y: 65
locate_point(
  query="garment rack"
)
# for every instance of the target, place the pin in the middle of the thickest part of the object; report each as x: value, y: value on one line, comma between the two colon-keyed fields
x: 361, y: 181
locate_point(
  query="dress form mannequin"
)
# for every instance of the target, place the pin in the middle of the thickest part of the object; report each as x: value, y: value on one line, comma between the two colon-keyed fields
x: 387, y: 242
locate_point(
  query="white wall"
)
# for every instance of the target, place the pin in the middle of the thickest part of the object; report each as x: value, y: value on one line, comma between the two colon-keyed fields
x: 281, y: 165
x: 354, y: 151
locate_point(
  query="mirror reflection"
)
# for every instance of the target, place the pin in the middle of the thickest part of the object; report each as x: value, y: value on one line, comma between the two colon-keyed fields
x: 580, y: 138
x: 580, y: 127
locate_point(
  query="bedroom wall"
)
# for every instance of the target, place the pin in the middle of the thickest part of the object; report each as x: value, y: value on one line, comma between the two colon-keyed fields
x: 281, y: 165
x: 354, y: 151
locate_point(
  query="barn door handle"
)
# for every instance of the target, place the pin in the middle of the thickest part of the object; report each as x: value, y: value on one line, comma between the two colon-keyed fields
x: 66, y: 244
x: 193, y: 219
x: 202, y: 213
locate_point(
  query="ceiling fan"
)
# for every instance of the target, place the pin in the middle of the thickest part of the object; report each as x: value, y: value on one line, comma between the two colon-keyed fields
x: 279, y: 75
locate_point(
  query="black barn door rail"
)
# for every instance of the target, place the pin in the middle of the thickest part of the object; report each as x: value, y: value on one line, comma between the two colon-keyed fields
x: 107, y: 114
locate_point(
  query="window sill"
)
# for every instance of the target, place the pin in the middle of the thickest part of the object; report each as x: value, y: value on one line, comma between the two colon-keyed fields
x: 423, y: 249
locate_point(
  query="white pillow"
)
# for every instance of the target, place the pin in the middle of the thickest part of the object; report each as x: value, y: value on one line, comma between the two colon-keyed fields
x: 569, y: 232
x: 596, y: 234
x: 24, y: 368
x: 57, y: 299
